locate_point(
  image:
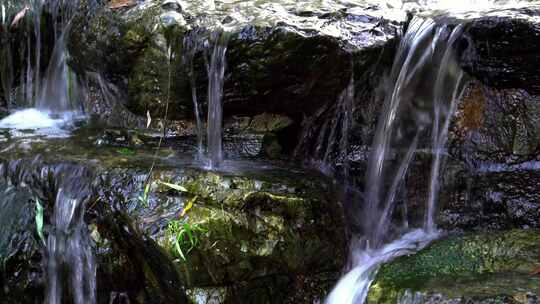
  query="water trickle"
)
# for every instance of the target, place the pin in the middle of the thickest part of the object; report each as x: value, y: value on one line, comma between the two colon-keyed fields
x: 69, y: 253
x: 330, y: 150
x: 353, y: 288
x: 191, y: 45
x: 6, y: 56
x: 57, y: 92
x: 413, y: 109
x: 216, y: 73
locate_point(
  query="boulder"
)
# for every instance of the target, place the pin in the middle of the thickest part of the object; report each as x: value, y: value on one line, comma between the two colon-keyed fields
x: 502, y: 49
x: 285, y: 60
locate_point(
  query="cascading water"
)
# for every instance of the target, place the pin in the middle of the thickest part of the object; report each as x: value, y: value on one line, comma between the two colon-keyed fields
x: 54, y: 94
x: 216, y: 73
x: 411, y: 106
x: 69, y: 254
x: 328, y: 152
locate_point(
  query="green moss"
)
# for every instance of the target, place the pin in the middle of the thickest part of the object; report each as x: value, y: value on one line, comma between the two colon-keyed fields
x: 253, y: 229
x: 457, y: 259
x: 269, y: 122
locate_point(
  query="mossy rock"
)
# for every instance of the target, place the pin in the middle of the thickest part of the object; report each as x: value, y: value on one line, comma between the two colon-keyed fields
x: 256, y: 228
x: 471, y: 266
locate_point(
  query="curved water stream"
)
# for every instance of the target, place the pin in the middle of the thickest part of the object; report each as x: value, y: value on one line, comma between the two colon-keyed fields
x: 426, y: 52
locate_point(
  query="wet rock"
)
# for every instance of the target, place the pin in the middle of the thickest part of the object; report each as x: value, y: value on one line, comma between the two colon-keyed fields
x: 247, y: 230
x: 482, y: 268
x: 123, y: 262
x: 490, y: 178
x: 287, y: 62
x: 262, y: 229
x: 170, y: 5
x: 20, y: 274
x: 502, y: 49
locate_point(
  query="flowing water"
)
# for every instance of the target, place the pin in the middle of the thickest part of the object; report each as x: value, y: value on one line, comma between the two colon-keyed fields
x: 69, y: 253
x: 333, y: 142
x: 415, y: 108
x: 70, y: 265
x: 216, y: 73
x: 54, y: 94
x: 426, y: 83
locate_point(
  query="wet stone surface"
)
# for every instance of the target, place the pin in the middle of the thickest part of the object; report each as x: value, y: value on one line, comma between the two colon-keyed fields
x: 260, y: 226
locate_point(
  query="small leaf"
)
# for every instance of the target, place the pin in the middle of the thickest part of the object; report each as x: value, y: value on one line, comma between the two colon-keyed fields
x: 536, y: 272
x: 20, y: 15
x: 175, y: 187
x: 188, y: 206
x: 179, y: 250
x: 148, y: 119
x: 146, y: 190
x: 39, y: 221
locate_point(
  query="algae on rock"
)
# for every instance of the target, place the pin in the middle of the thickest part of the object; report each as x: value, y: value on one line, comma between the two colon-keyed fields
x: 472, y: 266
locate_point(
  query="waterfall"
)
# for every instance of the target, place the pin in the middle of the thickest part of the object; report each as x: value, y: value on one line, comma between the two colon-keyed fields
x: 69, y: 254
x: 6, y: 57
x: 425, y: 83
x: 216, y: 73
x: 53, y: 94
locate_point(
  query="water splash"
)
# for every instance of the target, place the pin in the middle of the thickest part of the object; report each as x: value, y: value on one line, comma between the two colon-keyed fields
x: 54, y: 94
x: 216, y: 73
x: 413, y: 109
x: 32, y: 119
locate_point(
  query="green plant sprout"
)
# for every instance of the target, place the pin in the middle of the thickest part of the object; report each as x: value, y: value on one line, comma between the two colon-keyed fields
x: 185, y: 236
x: 146, y: 193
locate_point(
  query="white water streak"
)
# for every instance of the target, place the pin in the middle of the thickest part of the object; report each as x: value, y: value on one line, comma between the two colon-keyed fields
x: 216, y: 73
x: 426, y: 52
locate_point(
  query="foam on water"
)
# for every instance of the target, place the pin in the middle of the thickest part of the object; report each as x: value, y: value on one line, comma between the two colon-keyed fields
x: 41, y: 122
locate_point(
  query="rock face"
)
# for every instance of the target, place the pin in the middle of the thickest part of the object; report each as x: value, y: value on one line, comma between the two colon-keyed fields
x: 253, y: 237
x: 503, y: 49
x: 492, y: 171
x: 482, y: 268
x: 494, y: 146
x: 300, y: 81
x: 288, y: 61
